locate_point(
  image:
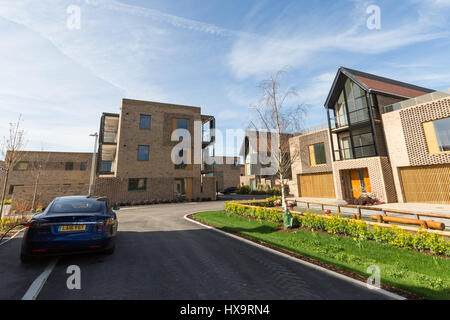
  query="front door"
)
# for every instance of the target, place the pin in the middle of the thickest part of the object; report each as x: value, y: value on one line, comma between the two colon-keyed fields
x: 360, y: 182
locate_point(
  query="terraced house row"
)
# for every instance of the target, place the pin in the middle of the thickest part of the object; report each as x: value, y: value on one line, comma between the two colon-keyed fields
x: 383, y: 137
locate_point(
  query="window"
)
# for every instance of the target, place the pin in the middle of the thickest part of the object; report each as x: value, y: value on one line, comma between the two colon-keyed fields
x: 437, y: 134
x: 11, y: 188
x: 143, y: 152
x: 183, y: 124
x: 317, y: 154
x: 145, y: 122
x: 179, y: 187
x: 139, y: 184
x: 21, y: 166
x: 83, y: 166
x: 106, y: 166
x: 69, y: 166
x: 67, y: 205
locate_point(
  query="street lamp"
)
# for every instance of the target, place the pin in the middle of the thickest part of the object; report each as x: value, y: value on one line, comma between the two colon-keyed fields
x: 93, y: 162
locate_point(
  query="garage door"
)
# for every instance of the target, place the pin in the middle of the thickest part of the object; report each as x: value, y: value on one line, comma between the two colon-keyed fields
x: 319, y: 185
x: 430, y: 184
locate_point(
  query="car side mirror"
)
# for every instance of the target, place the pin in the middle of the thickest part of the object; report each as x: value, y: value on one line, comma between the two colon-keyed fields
x: 116, y: 208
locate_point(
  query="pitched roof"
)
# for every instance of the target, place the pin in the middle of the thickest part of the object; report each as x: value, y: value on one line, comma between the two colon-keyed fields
x: 374, y: 83
x: 256, y: 138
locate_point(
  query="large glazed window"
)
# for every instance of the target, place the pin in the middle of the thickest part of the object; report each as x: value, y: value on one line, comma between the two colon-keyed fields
x: 356, y: 105
x: 442, y: 128
x: 317, y: 154
x: 437, y: 134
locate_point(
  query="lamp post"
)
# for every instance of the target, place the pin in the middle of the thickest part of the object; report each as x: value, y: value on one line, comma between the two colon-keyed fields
x: 93, y: 162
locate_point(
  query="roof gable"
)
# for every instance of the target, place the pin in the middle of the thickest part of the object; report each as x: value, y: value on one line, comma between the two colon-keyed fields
x: 373, y: 83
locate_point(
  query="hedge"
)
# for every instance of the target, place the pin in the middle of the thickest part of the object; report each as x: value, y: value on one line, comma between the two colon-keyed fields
x: 335, y: 224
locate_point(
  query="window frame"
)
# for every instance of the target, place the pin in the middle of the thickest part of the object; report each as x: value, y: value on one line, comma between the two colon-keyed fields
x: 312, y: 155
x: 149, y: 122
x: 85, y: 165
x: 16, y: 167
x: 144, y: 189
x: 432, y: 137
x: 148, y: 153
x: 69, y: 167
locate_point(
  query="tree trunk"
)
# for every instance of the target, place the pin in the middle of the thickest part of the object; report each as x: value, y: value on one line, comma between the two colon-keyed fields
x: 35, y: 190
x: 4, y: 193
x: 283, y: 196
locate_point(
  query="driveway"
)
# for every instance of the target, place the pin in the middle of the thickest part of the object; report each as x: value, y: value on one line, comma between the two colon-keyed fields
x: 160, y: 255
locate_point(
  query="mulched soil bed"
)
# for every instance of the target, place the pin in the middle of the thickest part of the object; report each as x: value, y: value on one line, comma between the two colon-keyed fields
x: 406, y: 294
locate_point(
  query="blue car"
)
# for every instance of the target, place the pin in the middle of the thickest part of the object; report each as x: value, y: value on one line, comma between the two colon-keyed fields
x: 76, y: 224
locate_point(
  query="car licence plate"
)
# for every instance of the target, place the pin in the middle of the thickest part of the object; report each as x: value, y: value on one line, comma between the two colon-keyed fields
x: 72, y: 228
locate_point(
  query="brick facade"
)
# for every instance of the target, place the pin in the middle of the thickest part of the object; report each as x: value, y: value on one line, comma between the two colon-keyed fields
x: 406, y: 142
x: 159, y: 170
x: 53, y: 181
x: 227, y: 174
x: 301, y: 164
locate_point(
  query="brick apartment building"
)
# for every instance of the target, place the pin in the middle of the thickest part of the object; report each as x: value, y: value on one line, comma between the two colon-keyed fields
x: 51, y: 174
x: 134, y: 162
x: 227, y: 171
x: 384, y: 137
x: 135, y: 153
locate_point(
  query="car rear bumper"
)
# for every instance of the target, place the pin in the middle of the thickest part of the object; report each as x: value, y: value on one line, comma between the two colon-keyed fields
x: 49, y: 248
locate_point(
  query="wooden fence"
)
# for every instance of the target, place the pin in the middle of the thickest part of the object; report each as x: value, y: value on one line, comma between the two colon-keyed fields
x: 384, y: 220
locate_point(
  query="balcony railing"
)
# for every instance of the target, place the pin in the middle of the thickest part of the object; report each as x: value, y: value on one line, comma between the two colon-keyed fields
x: 359, y: 152
x: 109, y: 137
x: 356, y: 116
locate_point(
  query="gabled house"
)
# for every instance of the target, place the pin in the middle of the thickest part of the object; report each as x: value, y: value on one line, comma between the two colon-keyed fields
x: 355, y: 105
x: 256, y: 151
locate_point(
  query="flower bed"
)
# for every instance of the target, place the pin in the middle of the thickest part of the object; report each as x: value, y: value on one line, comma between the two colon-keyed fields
x: 359, y: 230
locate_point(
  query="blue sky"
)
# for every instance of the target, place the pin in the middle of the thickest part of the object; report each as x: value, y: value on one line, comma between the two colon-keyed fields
x: 210, y: 54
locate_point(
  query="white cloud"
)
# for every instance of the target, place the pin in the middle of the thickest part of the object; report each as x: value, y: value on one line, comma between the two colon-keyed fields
x: 252, y: 56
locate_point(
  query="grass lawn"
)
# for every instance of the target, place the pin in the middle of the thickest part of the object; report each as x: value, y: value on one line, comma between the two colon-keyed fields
x: 422, y: 274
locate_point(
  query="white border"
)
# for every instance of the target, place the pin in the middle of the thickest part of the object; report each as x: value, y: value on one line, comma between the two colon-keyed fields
x: 309, y: 264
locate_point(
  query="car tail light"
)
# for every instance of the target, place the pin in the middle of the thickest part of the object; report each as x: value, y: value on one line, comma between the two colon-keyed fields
x: 39, y: 250
x: 94, y: 247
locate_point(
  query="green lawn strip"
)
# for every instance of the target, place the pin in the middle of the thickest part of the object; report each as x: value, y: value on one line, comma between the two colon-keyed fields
x: 422, y: 274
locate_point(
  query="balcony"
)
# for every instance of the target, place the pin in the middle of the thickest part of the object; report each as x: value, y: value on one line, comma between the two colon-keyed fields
x: 110, y: 137
x: 356, y: 117
x: 365, y: 151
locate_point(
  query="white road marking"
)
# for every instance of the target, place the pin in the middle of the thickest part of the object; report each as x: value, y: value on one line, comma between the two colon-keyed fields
x: 38, y: 283
x: 12, y: 236
x: 311, y: 265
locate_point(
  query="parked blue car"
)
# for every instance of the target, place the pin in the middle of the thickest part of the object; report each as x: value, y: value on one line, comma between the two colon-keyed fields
x: 76, y: 224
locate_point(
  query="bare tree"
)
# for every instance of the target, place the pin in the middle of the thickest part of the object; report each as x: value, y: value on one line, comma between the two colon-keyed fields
x: 39, y: 163
x: 11, y: 148
x: 281, y: 116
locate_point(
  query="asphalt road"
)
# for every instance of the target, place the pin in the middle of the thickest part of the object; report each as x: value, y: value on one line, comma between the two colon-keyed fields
x: 160, y: 255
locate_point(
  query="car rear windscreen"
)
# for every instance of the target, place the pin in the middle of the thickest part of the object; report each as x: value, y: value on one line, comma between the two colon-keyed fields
x: 77, y: 206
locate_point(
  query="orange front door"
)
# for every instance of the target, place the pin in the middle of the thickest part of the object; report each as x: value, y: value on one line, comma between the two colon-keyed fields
x: 360, y: 182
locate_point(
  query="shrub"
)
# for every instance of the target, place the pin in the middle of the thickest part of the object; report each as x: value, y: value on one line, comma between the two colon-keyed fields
x: 243, y: 190
x: 335, y: 224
